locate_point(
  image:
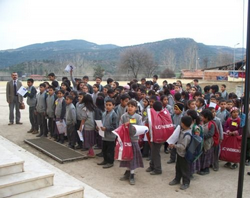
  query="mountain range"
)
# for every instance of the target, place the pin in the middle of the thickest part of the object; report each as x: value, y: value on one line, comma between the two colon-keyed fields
x: 177, y: 54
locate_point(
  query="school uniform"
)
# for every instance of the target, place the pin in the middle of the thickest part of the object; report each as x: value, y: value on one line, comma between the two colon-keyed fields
x: 119, y: 110
x: 208, y: 150
x: 41, y: 111
x: 176, y: 121
x: 79, y: 117
x: 109, y: 121
x: 70, y: 122
x: 136, y: 162
x: 222, y: 115
x: 89, y: 134
x: 31, y: 101
x: 60, y: 111
x: 50, y: 111
x: 182, y: 167
x: 94, y: 96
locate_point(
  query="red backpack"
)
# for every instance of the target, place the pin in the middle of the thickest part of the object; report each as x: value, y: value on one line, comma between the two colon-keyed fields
x: 160, y: 125
x: 216, y: 136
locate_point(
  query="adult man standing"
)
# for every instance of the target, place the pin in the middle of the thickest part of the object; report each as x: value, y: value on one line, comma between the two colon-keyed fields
x: 13, y: 98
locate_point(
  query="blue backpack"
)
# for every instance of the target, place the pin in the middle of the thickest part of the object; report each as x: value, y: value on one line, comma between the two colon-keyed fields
x: 194, y: 149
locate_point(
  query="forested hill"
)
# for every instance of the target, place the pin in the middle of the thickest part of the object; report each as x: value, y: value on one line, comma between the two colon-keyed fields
x: 176, y: 53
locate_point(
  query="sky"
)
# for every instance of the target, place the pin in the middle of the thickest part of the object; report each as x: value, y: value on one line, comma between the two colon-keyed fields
x: 123, y: 23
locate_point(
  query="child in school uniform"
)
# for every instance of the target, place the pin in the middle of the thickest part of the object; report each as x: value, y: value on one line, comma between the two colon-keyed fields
x: 79, y: 111
x: 130, y: 118
x: 200, y: 104
x: 146, y: 146
x: 95, y: 92
x: 155, y: 163
x: 232, y: 128
x: 41, y: 110
x: 60, y: 111
x: 121, y: 108
x: 178, y: 114
x: 164, y: 100
x: 208, y: 149
x: 70, y: 121
x: 182, y: 167
x: 31, y: 101
x: 110, y: 123
x: 88, y: 125
x: 222, y: 113
x: 50, y: 112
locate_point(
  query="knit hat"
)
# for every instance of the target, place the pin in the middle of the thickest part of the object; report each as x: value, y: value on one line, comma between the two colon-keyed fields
x: 179, y: 106
x: 234, y: 109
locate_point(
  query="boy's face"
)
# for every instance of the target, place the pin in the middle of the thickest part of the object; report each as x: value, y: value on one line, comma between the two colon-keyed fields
x: 213, y: 100
x: 42, y: 89
x: 85, y: 89
x: 85, y: 80
x: 98, y: 81
x: 176, y: 89
x: 222, y: 88
x: 143, y: 82
x: 183, y: 126
x: 29, y: 83
x: 95, y: 89
x: 63, y: 87
x: 229, y: 105
x: 223, y: 105
x: 109, y: 106
x: 187, y: 88
x: 197, y: 103
x: 151, y: 103
x: 111, y: 95
x: 154, y: 80
x: 131, y: 109
x: 217, y: 95
x: 143, y: 95
x: 124, y: 102
x: 60, y: 94
x: 51, y: 91
x: 51, y: 78
x: 68, y: 101
x: 195, y: 83
x: 148, y: 86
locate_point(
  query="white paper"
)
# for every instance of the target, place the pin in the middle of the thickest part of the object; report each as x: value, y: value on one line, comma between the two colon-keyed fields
x: 140, y: 130
x: 22, y: 91
x: 175, y: 136
x: 80, y: 135
x: 99, y: 125
x: 212, y: 104
x: 68, y: 68
x: 61, y: 127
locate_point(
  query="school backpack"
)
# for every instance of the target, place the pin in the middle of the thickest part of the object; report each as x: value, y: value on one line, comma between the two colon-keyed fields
x: 98, y: 114
x: 242, y: 119
x: 194, y: 148
x: 216, y: 135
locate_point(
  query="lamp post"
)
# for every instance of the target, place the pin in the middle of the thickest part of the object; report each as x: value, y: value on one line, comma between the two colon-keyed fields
x: 234, y: 59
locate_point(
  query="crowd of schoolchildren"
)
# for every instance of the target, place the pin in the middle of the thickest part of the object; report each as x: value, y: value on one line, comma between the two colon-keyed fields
x: 207, y: 113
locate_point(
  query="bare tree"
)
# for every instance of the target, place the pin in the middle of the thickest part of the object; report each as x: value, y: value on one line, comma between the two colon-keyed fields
x: 137, y: 60
x: 224, y: 59
x: 169, y: 59
x: 205, y: 62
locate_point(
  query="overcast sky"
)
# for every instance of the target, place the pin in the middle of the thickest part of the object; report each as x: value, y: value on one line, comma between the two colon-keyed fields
x: 123, y: 23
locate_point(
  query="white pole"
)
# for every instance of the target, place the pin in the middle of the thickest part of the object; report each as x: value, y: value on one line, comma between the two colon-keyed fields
x: 234, y: 59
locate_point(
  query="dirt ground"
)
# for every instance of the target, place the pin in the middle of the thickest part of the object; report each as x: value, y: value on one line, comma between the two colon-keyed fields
x: 217, y: 184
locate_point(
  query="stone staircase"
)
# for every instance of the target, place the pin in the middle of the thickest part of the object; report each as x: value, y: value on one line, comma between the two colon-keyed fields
x: 25, y: 175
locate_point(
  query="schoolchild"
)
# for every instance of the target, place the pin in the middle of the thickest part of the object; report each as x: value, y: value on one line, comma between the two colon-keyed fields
x: 50, y: 111
x: 88, y: 125
x: 130, y: 118
x: 208, y: 149
x: 155, y: 163
x: 178, y: 114
x: 41, y: 110
x: 95, y: 92
x: 31, y: 101
x: 232, y: 128
x: 110, y: 123
x: 74, y: 94
x: 222, y: 113
x: 164, y: 100
x: 182, y: 167
x: 122, y: 107
x: 200, y: 104
x: 70, y: 121
x: 60, y: 112
x: 224, y: 93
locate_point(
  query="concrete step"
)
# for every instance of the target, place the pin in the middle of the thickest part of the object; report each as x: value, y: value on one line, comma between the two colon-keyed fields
x: 23, y: 182
x: 9, y: 163
x: 53, y: 192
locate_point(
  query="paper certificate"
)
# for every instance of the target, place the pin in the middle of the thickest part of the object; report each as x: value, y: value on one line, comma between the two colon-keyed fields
x: 140, y: 130
x: 175, y: 136
x: 99, y: 125
x: 22, y: 91
x: 80, y: 135
x: 61, y: 127
x: 68, y: 68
